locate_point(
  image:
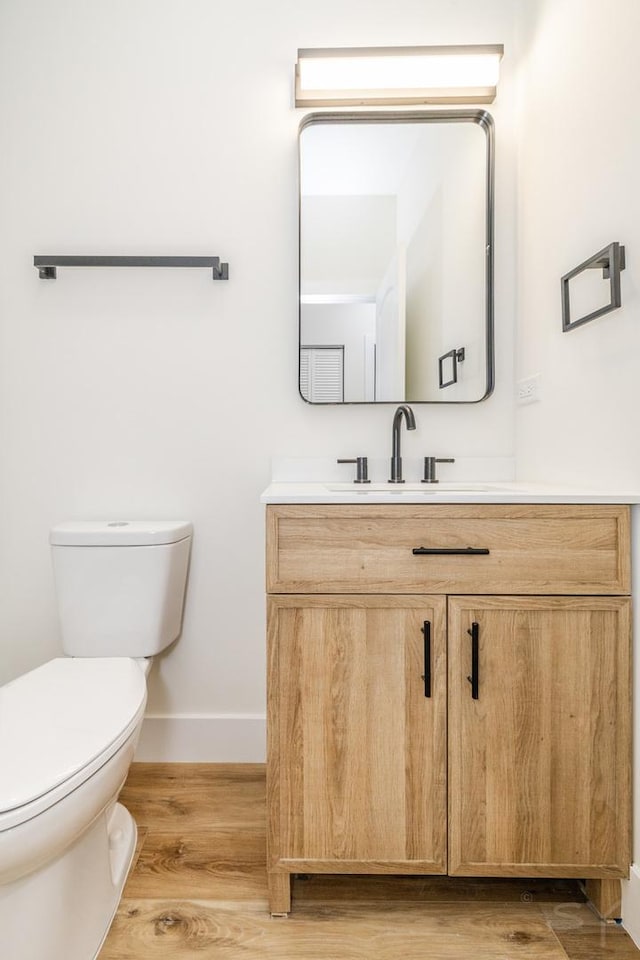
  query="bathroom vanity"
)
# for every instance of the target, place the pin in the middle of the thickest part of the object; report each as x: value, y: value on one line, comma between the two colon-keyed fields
x: 448, y: 686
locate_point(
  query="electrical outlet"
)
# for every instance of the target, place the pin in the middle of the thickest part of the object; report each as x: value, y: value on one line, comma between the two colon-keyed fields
x: 528, y: 390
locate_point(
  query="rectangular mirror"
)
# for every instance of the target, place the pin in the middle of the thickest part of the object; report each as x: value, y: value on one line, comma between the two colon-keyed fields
x: 396, y: 257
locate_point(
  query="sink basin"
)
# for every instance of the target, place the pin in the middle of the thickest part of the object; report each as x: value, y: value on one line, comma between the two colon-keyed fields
x: 398, y: 489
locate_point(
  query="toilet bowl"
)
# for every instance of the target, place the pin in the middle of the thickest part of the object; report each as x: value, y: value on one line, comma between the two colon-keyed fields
x: 68, y: 731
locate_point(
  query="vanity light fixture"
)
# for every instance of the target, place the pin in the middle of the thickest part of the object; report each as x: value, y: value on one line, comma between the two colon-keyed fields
x: 386, y: 76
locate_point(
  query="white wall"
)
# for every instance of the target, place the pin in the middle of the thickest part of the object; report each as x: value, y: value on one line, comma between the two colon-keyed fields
x: 346, y: 243
x: 158, y: 127
x: 442, y: 219
x: 579, y: 161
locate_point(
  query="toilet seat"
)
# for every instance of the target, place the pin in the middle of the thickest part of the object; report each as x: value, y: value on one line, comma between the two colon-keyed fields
x: 61, y: 722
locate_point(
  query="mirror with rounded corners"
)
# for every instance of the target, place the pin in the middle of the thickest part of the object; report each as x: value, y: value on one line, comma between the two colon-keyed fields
x: 396, y: 257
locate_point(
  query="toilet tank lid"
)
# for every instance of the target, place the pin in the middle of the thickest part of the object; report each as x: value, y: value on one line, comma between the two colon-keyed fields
x: 119, y: 533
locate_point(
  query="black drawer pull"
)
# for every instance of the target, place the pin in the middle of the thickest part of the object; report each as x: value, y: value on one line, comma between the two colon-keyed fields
x: 449, y: 551
x: 426, y: 676
x: 474, y: 679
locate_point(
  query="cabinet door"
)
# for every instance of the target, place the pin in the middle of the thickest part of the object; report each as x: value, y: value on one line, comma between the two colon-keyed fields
x: 539, y: 763
x: 356, y: 753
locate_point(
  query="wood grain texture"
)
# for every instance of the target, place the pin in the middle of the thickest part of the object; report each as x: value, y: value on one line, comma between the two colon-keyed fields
x: 336, y: 918
x: 534, y: 549
x: 166, y: 930
x: 213, y: 865
x: 605, y: 897
x: 539, y: 764
x: 359, y: 748
x: 279, y: 893
x: 585, y: 937
x: 538, y: 770
x: 196, y: 794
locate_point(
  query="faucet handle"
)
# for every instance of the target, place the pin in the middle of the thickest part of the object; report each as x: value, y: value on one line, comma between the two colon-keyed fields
x: 430, y: 467
x: 362, y: 469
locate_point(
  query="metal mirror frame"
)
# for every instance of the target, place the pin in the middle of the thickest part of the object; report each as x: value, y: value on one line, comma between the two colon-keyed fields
x: 484, y: 120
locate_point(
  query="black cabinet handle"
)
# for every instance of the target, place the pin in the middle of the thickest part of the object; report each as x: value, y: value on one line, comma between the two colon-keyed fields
x: 426, y: 676
x: 474, y: 679
x: 449, y: 551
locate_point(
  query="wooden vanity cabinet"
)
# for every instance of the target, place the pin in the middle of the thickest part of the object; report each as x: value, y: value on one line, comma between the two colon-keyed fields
x: 539, y: 764
x: 421, y: 722
x: 361, y: 750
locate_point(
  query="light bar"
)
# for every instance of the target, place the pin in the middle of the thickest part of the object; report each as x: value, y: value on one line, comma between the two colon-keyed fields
x: 386, y: 76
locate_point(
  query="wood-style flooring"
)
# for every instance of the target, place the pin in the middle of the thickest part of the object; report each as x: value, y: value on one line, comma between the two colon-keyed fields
x: 197, y: 891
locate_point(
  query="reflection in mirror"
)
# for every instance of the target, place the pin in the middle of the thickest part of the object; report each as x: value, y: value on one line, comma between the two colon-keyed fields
x: 396, y: 238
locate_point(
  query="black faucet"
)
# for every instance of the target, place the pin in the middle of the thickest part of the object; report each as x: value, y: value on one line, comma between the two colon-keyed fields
x: 396, y: 460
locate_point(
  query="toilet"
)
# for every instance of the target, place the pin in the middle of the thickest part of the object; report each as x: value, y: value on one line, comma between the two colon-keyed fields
x: 68, y: 731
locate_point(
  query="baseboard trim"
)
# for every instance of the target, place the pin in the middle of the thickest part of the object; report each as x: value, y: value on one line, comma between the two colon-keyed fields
x: 198, y: 738
x: 631, y: 904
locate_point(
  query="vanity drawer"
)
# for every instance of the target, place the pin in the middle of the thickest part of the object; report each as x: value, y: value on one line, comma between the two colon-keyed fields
x: 527, y: 549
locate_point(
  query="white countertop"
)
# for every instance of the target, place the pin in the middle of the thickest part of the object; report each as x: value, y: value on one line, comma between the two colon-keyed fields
x: 459, y: 492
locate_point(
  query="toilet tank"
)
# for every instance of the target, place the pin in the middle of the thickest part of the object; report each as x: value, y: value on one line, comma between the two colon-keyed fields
x: 120, y: 585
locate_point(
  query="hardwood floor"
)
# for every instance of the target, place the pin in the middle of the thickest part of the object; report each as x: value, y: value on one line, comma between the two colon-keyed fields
x: 198, y: 891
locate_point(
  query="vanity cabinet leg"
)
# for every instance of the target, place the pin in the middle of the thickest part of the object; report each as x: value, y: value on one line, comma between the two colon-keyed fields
x: 279, y: 893
x: 606, y: 897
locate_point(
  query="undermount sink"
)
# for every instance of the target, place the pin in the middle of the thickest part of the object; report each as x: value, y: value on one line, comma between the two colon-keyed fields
x: 428, y: 489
